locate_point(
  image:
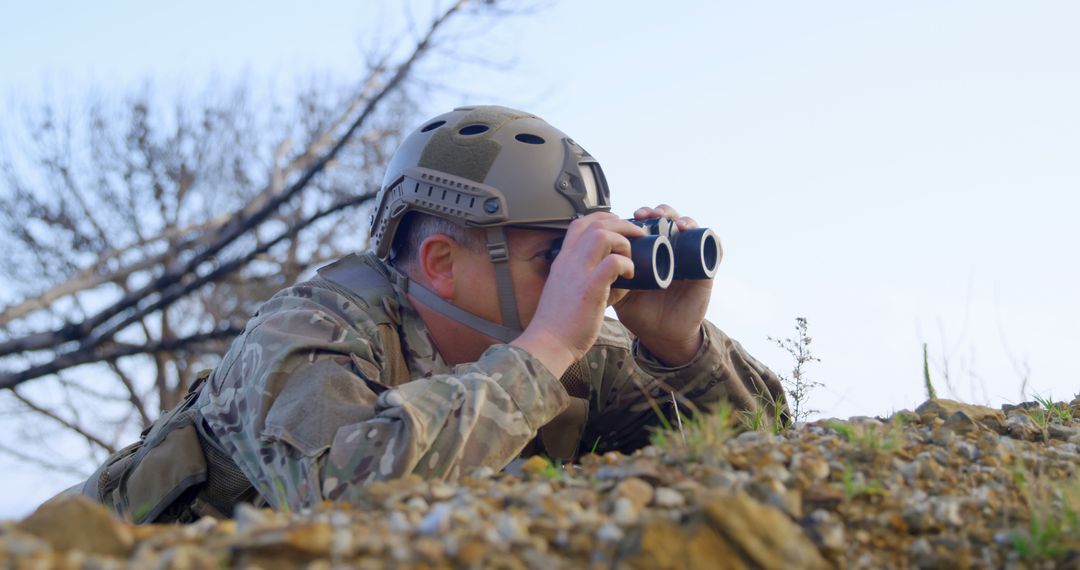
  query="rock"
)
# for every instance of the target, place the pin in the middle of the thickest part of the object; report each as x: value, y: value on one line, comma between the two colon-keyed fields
x: 773, y: 493
x: 77, y: 523
x: 968, y: 450
x: 394, y: 491
x: 399, y: 522
x: 186, y: 556
x: 416, y: 504
x: 18, y: 544
x: 471, y: 553
x: 537, y: 493
x: 1022, y: 407
x: 961, y: 423
x: 823, y: 497
x: 827, y: 530
x: 919, y: 518
x: 482, y: 472
x: 1021, y: 426
x: 756, y: 437
x: 730, y: 527
x: 940, y: 552
x: 609, y: 533
x: 429, y: 549
x: 248, y: 518
x: 440, y: 491
x: 437, y: 521
x: 922, y: 554
x: 512, y: 528
x: 636, y: 491
x: 692, y: 545
x: 299, y: 541
x: 1063, y: 432
x: 944, y: 409
x: 813, y: 467
x: 625, y: 513
x: 727, y: 479
x: 667, y: 498
x: 947, y: 511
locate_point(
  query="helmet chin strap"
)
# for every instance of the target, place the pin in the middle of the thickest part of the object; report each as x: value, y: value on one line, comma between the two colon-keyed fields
x: 499, y: 253
x: 511, y: 327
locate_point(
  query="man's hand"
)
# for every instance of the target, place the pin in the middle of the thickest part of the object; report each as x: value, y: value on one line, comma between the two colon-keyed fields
x: 667, y: 321
x: 595, y: 251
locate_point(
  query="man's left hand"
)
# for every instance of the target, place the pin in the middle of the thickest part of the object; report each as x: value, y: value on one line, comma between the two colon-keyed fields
x: 666, y: 321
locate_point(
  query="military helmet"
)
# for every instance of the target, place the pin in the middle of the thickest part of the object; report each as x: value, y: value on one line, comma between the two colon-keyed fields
x: 488, y: 166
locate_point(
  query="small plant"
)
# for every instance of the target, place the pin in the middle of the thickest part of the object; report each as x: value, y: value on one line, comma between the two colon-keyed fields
x: 854, y: 489
x: 799, y: 386
x: 1049, y: 412
x: 754, y: 420
x: 868, y: 437
x: 543, y: 466
x: 931, y: 393
x: 1052, y: 411
x: 1053, y: 527
x: 698, y: 435
x: 553, y: 470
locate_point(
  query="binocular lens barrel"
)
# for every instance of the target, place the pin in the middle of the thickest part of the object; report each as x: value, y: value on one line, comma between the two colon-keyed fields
x: 697, y: 254
x: 654, y: 264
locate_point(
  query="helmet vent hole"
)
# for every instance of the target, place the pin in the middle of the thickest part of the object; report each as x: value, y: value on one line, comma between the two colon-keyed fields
x: 432, y: 126
x: 529, y: 139
x: 473, y: 129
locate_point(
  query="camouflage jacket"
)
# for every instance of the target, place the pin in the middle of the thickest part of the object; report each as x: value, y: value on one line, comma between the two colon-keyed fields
x: 312, y: 404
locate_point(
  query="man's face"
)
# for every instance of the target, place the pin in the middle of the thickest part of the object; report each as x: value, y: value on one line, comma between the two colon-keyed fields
x: 475, y: 286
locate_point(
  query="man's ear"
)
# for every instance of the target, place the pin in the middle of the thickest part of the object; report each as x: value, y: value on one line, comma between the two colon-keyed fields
x: 436, y: 261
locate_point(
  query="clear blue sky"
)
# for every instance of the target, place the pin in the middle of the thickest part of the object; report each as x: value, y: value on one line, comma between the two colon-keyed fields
x: 897, y: 173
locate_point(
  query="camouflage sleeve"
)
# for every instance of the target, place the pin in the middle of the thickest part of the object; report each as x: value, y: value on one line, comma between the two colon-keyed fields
x: 297, y: 405
x: 634, y: 387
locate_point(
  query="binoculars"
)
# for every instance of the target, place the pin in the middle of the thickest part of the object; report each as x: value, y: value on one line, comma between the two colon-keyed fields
x: 666, y: 254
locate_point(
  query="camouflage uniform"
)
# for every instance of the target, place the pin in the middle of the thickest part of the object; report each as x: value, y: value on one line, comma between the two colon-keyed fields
x: 311, y: 405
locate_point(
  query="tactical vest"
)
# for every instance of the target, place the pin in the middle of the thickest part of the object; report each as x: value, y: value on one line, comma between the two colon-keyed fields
x: 178, y: 472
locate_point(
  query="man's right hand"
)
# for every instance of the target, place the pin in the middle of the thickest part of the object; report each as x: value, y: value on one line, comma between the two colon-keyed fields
x: 595, y: 251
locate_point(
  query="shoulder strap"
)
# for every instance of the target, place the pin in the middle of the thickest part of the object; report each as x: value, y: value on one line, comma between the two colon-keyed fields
x: 358, y: 277
x: 365, y: 281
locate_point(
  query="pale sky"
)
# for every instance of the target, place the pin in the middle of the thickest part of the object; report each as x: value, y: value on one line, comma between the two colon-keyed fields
x: 897, y: 173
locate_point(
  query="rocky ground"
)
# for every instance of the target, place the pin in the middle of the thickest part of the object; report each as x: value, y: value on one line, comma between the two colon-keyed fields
x: 949, y: 486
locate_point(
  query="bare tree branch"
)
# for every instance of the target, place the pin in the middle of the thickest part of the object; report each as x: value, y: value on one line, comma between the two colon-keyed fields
x: 91, y: 438
x: 133, y: 393
x: 118, y: 350
x: 92, y: 276
x: 85, y: 332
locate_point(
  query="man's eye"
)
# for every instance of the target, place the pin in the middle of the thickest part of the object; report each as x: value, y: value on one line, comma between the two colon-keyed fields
x: 552, y: 253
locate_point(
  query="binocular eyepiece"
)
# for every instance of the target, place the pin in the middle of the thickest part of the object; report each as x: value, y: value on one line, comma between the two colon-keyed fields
x: 666, y: 254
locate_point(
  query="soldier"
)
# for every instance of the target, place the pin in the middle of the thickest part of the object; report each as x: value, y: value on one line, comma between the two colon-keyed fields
x: 461, y: 340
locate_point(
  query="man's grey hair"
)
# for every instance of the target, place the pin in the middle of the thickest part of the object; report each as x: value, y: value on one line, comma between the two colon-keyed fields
x: 416, y: 227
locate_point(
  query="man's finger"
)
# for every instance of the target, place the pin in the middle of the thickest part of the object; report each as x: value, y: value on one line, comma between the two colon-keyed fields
x: 686, y: 223
x: 666, y: 211
x: 613, y: 267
